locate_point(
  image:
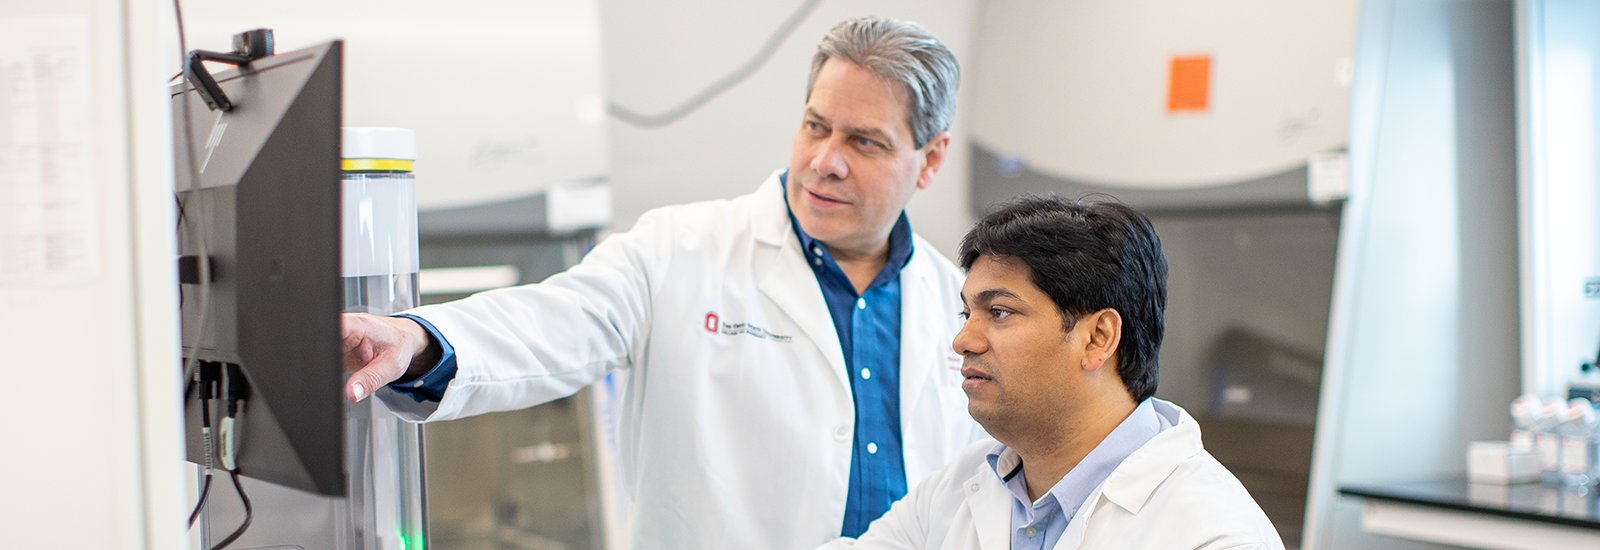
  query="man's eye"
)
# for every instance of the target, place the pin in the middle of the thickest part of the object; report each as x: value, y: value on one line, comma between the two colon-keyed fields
x: 867, y: 143
x: 964, y: 315
x: 999, y: 313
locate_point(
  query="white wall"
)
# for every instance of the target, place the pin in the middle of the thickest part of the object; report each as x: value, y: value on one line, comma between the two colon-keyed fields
x: 1423, y: 339
x: 658, y: 54
x: 1078, y: 89
x: 505, y: 95
x: 93, y: 442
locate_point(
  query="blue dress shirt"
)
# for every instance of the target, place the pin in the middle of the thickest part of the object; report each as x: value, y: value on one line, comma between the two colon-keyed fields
x: 1039, y: 524
x: 869, y: 333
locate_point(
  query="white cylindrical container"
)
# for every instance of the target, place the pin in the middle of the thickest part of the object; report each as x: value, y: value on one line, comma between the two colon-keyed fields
x: 379, y: 227
x: 380, y: 266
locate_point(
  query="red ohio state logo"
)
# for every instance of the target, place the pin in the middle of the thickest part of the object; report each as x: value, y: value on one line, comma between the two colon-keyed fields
x: 711, y: 322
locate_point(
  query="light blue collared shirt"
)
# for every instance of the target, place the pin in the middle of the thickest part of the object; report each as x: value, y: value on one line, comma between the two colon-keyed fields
x: 1038, y: 525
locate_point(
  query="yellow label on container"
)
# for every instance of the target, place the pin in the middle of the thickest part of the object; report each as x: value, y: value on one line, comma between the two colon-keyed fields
x: 376, y: 164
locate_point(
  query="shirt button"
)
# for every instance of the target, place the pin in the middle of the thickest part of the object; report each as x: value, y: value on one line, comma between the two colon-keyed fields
x: 1030, y: 532
x: 841, y: 433
x: 866, y: 374
x: 872, y: 448
x: 817, y: 261
x: 816, y: 250
x: 974, y: 487
x: 861, y: 303
x: 416, y: 384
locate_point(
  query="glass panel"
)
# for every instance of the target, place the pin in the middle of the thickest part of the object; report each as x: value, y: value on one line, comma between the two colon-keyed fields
x: 1562, y: 195
x: 542, y: 478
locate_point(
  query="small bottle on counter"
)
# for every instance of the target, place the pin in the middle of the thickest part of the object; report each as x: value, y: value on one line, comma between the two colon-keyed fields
x: 1547, y: 440
x: 1580, y: 467
x: 1525, y: 414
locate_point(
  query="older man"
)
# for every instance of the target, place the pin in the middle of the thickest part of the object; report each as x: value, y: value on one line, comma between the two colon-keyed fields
x: 788, y: 350
x: 1063, y: 302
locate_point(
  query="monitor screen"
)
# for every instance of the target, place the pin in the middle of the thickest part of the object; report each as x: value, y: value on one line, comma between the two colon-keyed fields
x: 258, y: 189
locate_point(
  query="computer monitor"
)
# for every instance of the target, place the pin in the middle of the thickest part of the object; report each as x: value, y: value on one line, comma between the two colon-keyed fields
x: 263, y: 190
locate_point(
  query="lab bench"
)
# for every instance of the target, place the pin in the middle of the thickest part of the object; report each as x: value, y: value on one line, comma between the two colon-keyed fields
x: 1454, y: 511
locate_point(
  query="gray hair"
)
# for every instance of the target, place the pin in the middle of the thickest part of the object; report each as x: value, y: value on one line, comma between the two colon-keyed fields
x: 903, y: 52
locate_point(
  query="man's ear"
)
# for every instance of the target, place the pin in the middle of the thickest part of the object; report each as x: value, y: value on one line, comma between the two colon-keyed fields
x: 1103, y: 332
x: 933, y: 154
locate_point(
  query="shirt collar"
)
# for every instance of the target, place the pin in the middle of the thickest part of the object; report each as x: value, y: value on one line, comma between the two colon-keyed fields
x: 1004, y: 461
x: 1137, y: 429
x: 899, y: 240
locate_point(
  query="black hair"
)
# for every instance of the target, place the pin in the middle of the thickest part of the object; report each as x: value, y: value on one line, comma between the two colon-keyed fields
x: 1087, y: 255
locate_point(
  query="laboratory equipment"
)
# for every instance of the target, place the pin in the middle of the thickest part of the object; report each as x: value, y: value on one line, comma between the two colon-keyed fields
x: 379, y: 263
x: 380, y: 258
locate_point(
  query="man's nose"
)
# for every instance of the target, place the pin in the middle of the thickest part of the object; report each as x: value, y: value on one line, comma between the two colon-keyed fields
x: 969, y: 342
x: 829, y: 160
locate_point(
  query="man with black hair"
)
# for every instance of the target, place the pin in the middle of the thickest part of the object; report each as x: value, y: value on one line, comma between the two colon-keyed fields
x: 1063, y: 303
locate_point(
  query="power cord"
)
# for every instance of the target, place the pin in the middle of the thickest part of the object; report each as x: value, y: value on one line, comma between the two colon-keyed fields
x: 226, y: 382
x: 209, y: 383
x: 238, y: 391
x: 205, y: 491
x: 247, y: 514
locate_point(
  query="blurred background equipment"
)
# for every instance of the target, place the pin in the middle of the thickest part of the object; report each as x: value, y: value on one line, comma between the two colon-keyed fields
x: 543, y: 478
x: 1247, y: 316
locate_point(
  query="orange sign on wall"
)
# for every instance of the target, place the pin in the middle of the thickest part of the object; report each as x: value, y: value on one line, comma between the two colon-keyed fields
x: 1189, y: 88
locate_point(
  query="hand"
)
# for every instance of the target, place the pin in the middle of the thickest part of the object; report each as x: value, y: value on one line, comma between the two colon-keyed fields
x: 380, y: 350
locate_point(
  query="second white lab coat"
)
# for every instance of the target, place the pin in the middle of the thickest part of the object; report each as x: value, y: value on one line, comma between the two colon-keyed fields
x: 737, y: 421
x: 1168, y: 495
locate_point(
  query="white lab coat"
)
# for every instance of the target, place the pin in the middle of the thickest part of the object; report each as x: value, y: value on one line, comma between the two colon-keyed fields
x: 1168, y: 495
x: 738, y: 419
